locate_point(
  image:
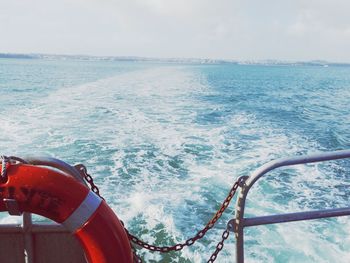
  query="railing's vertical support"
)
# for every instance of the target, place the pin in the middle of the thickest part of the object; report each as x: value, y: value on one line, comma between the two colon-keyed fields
x: 28, y: 237
x: 238, y: 226
x: 239, y: 245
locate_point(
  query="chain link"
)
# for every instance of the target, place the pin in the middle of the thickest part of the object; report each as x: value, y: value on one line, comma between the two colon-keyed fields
x: 4, y: 160
x: 219, y: 246
x: 88, y: 178
x: 189, y: 242
x: 136, y: 258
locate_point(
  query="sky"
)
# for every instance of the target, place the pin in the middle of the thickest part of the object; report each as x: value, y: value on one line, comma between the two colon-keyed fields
x: 219, y: 29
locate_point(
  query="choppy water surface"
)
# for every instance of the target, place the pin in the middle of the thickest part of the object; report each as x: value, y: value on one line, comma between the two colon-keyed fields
x: 165, y: 142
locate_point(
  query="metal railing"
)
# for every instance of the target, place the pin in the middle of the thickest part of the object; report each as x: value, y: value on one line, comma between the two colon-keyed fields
x: 238, y: 224
x: 39, y: 242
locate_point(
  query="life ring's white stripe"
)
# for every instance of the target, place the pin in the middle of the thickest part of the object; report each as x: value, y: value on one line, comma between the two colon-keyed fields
x: 83, y: 213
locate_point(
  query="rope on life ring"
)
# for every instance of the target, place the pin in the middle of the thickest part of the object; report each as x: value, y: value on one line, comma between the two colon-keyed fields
x: 60, y: 197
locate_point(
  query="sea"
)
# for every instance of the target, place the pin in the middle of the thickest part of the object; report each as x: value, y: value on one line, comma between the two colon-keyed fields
x: 165, y: 142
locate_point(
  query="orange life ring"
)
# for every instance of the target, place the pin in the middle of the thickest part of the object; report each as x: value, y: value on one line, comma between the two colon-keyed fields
x: 53, y: 194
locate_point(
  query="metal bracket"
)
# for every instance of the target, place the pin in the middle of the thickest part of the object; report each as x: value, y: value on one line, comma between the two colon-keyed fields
x: 12, y: 207
x: 231, y: 225
x: 242, y: 180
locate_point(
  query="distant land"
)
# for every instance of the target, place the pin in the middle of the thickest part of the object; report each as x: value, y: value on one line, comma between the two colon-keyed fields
x: 269, y: 62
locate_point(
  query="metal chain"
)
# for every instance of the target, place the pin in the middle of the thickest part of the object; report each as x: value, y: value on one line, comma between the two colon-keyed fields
x: 219, y: 246
x: 136, y: 258
x: 188, y: 242
x: 4, y: 160
x: 89, y: 179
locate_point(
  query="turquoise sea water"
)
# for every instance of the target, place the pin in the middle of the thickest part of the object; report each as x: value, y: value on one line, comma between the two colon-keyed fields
x: 165, y: 142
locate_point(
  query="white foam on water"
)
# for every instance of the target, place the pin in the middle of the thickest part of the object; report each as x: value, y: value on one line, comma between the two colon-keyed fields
x: 165, y: 172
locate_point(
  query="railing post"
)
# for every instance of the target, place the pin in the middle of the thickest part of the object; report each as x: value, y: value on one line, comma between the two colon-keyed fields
x: 28, y: 237
x: 238, y: 226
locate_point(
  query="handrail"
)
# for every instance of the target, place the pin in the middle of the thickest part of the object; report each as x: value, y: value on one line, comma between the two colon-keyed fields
x: 239, y: 222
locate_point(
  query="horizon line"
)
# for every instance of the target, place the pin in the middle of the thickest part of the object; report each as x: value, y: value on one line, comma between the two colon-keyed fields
x: 170, y: 59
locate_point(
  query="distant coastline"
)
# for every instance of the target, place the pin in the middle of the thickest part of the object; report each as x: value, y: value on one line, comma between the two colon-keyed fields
x: 10, y: 55
x: 269, y: 62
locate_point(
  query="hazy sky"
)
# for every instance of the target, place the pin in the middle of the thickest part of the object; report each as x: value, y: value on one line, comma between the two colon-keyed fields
x: 231, y: 29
